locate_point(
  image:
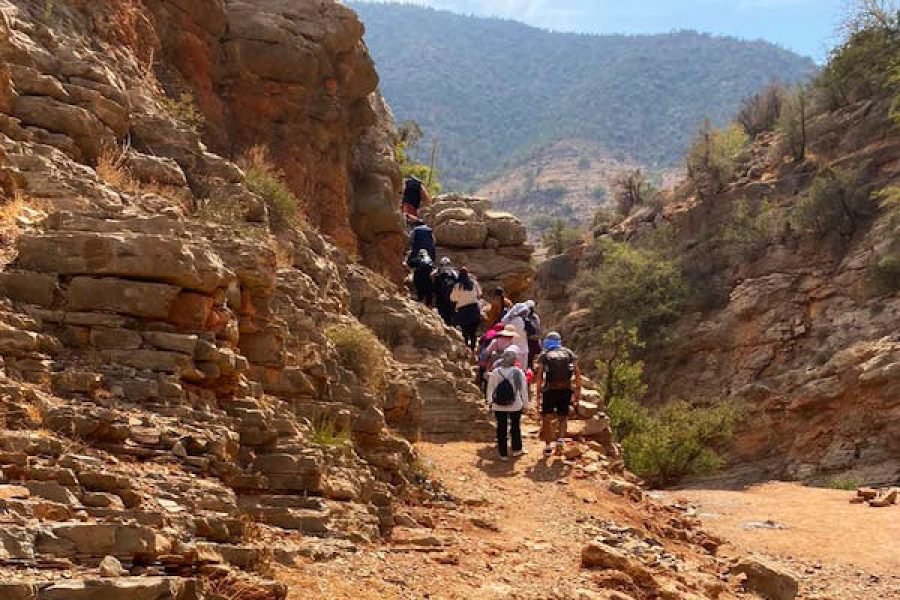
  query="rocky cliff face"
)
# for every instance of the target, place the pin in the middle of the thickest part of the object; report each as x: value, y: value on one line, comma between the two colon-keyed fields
x: 800, y: 341
x: 491, y: 243
x: 297, y: 78
x: 170, y: 396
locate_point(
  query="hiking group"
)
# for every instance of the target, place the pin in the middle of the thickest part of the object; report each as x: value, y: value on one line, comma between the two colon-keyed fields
x: 511, y: 355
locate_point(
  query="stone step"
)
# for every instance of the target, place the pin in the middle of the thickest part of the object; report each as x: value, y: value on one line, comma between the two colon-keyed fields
x: 116, y: 588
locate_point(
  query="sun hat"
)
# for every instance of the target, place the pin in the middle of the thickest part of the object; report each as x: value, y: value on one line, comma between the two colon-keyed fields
x: 508, y: 331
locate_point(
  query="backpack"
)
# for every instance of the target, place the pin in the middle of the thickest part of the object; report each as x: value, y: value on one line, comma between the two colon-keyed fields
x: 530, y: 329
x: 412, y: 192
x: 504, y: 393
x: 560, y: 366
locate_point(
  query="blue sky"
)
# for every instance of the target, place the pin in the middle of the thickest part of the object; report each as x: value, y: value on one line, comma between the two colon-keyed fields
x: 805, y: 26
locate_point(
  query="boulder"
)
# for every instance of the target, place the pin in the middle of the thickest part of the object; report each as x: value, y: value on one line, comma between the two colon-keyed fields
x: 128, y: 255
x: 155, y: 169
x: 770, y: 581
x: 28, y: 287
x: 124, y: 588
x: 506, y: 228
x: 134, y: 298
x: 89, y: 134
x: 461, y: 234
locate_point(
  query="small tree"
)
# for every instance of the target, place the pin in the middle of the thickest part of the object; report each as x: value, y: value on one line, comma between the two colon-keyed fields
x: 712, y: 159
x: 793, y: 122
x: 839, y: 202
x: 560, y: 237
x: 636, y: 287
x: 759, y: 113
x: 631, y: 190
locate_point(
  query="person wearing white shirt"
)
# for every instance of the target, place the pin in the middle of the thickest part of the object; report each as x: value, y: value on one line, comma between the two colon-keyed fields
x: 507, y: 393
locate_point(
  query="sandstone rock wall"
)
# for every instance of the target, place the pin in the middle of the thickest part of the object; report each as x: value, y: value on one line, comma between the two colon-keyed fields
x: 491, y: 243
x: 170, y: 398
x: 801, y: 342
x: 296, y: 78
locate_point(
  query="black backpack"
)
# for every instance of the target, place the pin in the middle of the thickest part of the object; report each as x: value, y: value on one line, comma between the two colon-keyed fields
x: 504, y: 393
x: 560, y: 366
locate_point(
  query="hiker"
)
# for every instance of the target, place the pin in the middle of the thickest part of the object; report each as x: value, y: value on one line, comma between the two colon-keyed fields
x: 466, y: 295
x: 445, y: 279
x: 415, y: 195
x: 423, y: 267
x: 507, y: 393
x: 500, y: 304
x: 515, y: 317
x: 558, y: 380
x: 534, y: 331
x: 487, y: 357
x: 421, y: 238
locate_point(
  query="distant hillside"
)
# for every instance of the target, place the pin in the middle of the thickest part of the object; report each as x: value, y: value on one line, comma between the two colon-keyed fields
x: 493, y: 91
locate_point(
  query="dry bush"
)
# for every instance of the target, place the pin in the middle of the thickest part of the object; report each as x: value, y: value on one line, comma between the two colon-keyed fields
x: 759, y: 113
x: 268, y: 182
x: 112, y: 170
x: 631, y: 191
x: 361, y: 352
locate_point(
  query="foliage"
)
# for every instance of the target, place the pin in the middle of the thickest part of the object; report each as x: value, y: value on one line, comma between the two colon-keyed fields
x: 884, y: 274
x: 631, y: 191
x: 838, y: 202
x: 361, y: 352
x: 184, y: 109
x: 680, y: 440
x: 759, y: 113
x: 751, y: 228
x: 326, y: 430
x: 409, y: 134
x: 492, y: 90
x: 793, y: 123
x: 713, y: 158
x: 267, y: 181
x: 620, y: 377
x: 866, y: 63
x: 560, y: 237
x: 635, y: 287
x: 847, y: 483
x: 599, y: 193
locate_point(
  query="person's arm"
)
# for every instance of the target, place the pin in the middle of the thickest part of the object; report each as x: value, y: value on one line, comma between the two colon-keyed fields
x: 425, y: 196
x: 524, y: 389
x: 493, y: 380
x: 576, y: 385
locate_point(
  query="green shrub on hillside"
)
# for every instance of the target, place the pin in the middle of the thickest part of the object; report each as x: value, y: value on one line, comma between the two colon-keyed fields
x: 361, y: 352
x: 559, y: 237
x: 326, y: 431
x: 839, y: 202
x: 264, y: 179
x: 184, y: 109
x: 865, y: 65
x: 620, y: 376
x: 793, y: 123
x: 713, y: 158
x: 636, y: 287
x: 679, y: 441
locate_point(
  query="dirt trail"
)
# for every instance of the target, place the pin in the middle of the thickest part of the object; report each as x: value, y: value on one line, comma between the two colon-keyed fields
x: 847, y: 550
x: 517, y: 532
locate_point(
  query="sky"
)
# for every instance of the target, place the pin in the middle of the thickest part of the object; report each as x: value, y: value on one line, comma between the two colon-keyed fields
x: 805, y: 26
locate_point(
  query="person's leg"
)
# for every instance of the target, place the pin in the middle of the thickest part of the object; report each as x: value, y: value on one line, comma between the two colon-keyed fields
x: 565, y: 405
x: 515, y: 421
x: 502, y: 427
x: 547, y: 433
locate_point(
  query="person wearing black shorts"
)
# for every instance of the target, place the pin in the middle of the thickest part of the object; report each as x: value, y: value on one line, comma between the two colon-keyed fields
x: 558, y: 380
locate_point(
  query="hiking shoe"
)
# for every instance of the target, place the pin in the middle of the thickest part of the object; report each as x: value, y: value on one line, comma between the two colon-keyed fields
x: 501, y: 457
x: 548, y: 450
x: 518, y: 453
